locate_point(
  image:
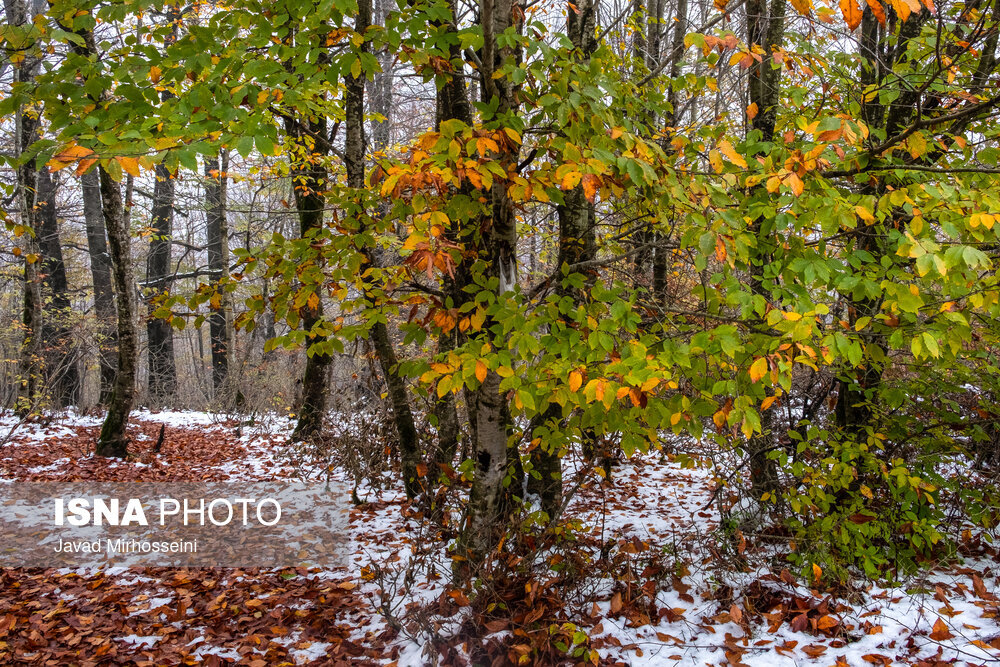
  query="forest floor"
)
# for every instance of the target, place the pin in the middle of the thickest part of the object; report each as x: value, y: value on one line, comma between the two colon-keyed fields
x: 392, y: 603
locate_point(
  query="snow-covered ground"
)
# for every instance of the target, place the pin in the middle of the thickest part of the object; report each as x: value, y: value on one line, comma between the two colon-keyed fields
x: 699, y: 613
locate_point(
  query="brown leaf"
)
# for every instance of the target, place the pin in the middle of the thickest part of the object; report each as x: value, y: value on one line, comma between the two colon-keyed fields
x: 940, y: 631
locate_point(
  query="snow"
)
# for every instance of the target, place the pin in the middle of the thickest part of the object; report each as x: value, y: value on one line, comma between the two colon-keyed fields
x: 140, y: 641
x: 652, y: 499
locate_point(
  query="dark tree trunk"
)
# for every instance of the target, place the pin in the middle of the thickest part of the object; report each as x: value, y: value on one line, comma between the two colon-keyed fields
x: 100, y: 274
x: 766, y: 28
x: 452, y: 102
x: 160, y: 351
x: 60, y: 351
x: 113, y: 441
x: 354, y: 159
x: 309, y: 183
x: 26, y: 132
x: 310, y: 201
x: 218, y: 266
x: 577, y: 243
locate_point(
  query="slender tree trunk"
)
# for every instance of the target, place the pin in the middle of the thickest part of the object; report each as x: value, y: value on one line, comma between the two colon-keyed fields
x: 60, y: 351
x: 25, y: 134
x: 310, y: 181
x: 113, y: 441
x: 354, y: 159
x: 452, y: 102
x: 159, y: 332
x: 577, y: 243
x: 220, y: 325
x: 100, y: 274
x: 858, y: 388
x: 766, y: 28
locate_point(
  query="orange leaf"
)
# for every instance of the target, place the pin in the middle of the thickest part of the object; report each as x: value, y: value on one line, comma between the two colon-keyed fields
x: 795, y: 183
x: 940, y: 632
x: 736, y: 614
x: 878, y: 10
x: 720, y: 249
x: 827, y: 622
x: 852, y: 13
x: 481, y: 370
x: 590, y: 182
x: 752, y: 111
x: 575, y: 380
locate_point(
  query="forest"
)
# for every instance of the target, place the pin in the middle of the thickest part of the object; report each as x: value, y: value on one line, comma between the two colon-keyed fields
x: 631, y: 332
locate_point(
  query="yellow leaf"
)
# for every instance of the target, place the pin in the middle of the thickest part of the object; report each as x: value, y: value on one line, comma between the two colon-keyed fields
x: 817, y: 572
x: 575, y: 380
x: 154, y: 73
x: 917, y: 145
x: 715, y: 159
x: 571, y: 180
x: 792, y: 316
x: 130, y: 165
x: 758, y: 369
x: 802, y: 6
x: 481, y: 370
x: 727, y: 149
x: 863, y: 213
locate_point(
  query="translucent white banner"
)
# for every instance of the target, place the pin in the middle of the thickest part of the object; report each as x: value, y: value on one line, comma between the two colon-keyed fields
x: 82, y: 524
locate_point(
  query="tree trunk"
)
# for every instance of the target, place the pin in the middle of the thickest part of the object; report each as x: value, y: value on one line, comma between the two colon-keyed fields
x: 766, y: 28
x: 25, y: 134
x: 310, y: 180
x: 113, y: 441
x: 577, y: 243
x: 159, y: 332
x: 354, y: 161
x: 488, y: 502
x: 220, y: 326
x: 452, y: 102
x: 100, y: 274
x: 60, y: 351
